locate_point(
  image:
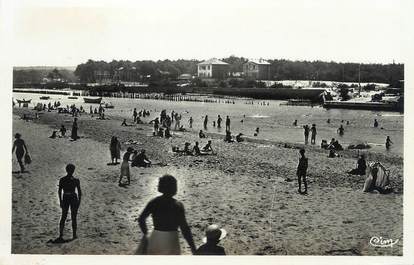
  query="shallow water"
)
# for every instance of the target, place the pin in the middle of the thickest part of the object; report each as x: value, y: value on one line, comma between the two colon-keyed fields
x: 274, y: 120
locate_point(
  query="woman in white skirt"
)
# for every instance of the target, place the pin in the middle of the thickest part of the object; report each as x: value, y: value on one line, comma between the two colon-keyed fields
x: 168, y: 215
x: 125, y: 166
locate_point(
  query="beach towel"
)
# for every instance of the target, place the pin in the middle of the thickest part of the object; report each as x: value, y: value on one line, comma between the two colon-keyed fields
x: 382, y: 180
x: 163, y: 243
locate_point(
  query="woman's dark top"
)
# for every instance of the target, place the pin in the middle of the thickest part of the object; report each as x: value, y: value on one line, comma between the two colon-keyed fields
x: 19, y: 143
x: 167, y: 213
x: 302, y: 166
x: 126, y: 156
x: 68, y: 184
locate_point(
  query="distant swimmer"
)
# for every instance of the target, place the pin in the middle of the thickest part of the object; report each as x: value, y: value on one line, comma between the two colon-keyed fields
x: 388, y: 143
x: 306, y: 133
x: 256, y: 132
x: 227, y: 123
x: 375, y: 123
x: 341, y: 130
x: 219, y: 119
x: 347, y: 122
x: 190, y: 122
x: 328, y: 121
x: 295, y: 123
x: 205, y: 122
x: 313, y: 134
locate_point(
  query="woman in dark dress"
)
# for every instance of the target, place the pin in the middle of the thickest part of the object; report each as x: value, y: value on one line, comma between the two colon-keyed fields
x: 69, y: 198
x: 115, y: 150
x: 168, y: 215
x: 21, y: 149
x: 74, y: 135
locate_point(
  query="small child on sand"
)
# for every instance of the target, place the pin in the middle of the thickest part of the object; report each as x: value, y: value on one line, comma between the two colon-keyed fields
x: 213, y: 236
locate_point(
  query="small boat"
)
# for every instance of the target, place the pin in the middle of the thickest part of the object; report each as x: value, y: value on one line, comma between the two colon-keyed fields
x: 22, y: 101
x: 72, y: 97
x: 44, y: 97
x: 93, y: 100
x: 108, y: 105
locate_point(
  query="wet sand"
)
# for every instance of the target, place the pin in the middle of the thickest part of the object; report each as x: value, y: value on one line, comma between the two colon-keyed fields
x: 242, y: 188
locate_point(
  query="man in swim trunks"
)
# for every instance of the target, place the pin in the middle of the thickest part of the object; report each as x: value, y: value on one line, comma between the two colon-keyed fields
x: 69, y: 198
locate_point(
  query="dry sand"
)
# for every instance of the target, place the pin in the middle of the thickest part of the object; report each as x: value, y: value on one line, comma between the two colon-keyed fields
x: 242, y: 189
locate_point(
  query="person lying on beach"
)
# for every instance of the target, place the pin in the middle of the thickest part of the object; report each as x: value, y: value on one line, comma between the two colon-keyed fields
x: 168, y: 215
x: 141, y: 160
x: 68, y: 198
x: 228, y: 137
x: 239, y: 138
x: 124, y: 123
x: 201, y: 134
x: 213, y: 236
x: 361, y: 166
x: 181, y: 129
x: 185, y: 151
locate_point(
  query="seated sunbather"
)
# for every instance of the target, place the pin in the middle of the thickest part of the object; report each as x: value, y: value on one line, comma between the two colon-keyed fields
x: 141, y: 160
x: 361, y: 167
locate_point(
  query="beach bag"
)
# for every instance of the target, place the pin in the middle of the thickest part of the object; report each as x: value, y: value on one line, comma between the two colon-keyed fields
x: 27, y: 159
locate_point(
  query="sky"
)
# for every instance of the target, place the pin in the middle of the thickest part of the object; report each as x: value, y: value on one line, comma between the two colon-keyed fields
x: 69, y: 32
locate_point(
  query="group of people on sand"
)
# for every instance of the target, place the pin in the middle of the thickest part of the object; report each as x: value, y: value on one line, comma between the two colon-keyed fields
x: 136, y: 159
x: 167, y: 213
x: 195, y: 151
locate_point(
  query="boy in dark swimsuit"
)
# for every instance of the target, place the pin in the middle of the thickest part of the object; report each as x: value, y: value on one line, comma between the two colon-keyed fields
x: 301, y: 171
x: 69, y: 198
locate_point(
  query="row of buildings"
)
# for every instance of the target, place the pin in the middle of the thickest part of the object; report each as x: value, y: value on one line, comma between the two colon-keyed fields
x: 209, y: 69
x: 216, y: 69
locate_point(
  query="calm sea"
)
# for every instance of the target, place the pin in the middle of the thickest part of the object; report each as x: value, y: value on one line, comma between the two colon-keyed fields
x: 274, y: 120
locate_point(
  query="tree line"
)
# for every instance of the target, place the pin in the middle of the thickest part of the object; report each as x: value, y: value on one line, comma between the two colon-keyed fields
x: 171, y: 69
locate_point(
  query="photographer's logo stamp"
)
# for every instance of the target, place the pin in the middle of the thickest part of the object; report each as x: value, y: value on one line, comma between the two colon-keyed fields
x: 381, y: 242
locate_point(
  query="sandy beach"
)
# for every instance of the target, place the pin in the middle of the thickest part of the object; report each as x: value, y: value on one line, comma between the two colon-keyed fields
x: 242, y: 188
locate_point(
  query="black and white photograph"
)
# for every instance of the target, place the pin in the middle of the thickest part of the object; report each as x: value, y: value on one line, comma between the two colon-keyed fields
x: 219, y: 128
